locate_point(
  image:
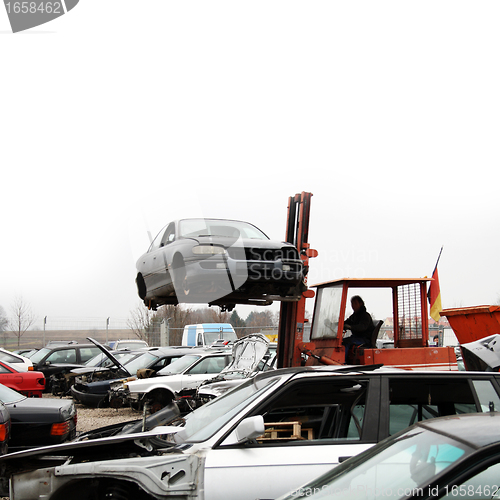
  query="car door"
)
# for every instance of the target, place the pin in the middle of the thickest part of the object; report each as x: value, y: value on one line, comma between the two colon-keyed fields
x: 311, y: 425
x: 154, y: 265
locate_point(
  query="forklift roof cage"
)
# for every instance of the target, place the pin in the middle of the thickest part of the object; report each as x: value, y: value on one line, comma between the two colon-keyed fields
x: 409, y: 300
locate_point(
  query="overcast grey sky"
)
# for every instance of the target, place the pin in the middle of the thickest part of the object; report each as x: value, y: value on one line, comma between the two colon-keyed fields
x: 122, y: 115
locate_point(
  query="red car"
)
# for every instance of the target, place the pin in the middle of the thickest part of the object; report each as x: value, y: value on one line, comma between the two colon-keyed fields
x: 29, y: 383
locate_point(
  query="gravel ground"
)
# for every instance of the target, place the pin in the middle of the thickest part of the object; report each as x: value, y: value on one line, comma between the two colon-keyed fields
x: 93, y: 418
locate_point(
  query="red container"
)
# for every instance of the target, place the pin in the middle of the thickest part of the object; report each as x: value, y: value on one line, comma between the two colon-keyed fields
x: 473, y: 323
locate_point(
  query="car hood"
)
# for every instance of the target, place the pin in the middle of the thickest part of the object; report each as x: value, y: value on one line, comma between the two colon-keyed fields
x: 75, y: 448
x: 482, y: 354
x: 109, y: 355
x: 239, y: 242
x: 37, y: 410
x: 247, y: 354
x: 216, y: 389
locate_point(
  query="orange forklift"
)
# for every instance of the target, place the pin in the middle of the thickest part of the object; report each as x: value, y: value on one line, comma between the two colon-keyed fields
x: 409, y: 320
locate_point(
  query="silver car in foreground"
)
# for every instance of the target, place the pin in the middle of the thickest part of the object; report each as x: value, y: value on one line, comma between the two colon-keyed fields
x: 273, y: 433
x: 447, y: 457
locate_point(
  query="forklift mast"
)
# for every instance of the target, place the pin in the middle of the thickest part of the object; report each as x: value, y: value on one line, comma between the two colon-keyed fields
x: 410, y: 316
x: 292, y: 314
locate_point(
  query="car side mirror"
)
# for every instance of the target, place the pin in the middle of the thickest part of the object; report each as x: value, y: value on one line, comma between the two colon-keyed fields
x: 248, y: 429
x: 47, y: 363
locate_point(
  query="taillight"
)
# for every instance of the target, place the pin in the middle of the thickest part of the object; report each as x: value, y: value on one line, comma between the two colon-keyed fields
x: 75, y: 419
x: 3, y: 432
x: 60, y: 429
x: 41, y: 381
x: 30, y: 368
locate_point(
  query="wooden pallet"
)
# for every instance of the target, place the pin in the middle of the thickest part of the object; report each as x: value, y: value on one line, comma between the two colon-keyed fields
x: 276, y: 431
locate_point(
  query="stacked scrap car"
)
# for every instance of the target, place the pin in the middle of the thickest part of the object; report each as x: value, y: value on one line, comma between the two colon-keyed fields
x: 94, y: 389
x: 181, y: 378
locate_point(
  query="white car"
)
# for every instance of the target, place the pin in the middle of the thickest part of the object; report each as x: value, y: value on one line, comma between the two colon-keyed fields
x: 273, y: 433
x: 17, y: 361
x: 183, y: 374
x: 251, y: 355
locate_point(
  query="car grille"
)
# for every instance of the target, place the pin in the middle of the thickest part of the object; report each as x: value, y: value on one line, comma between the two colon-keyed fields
x: 265, y: 254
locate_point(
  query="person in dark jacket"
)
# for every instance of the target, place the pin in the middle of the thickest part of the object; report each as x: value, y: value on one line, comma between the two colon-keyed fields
x: 361, y: 325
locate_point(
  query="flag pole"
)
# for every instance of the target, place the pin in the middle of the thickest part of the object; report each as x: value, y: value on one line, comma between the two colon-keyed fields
x: 439, y: 256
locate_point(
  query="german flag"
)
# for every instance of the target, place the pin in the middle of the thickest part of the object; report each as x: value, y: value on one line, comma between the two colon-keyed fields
x: 434, y: 296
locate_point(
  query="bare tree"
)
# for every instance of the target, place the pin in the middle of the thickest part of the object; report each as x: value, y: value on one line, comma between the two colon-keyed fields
x: 4, y: 325
x: 140, y: 321
x: 4, y: 321
x: 262, y: 319
x: 22, y: 318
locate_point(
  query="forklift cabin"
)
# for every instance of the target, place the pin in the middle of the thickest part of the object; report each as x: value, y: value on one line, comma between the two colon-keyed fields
x: 410, y: 327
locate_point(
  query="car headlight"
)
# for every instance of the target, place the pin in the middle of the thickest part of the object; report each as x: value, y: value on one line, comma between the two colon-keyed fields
x: 208, y: 250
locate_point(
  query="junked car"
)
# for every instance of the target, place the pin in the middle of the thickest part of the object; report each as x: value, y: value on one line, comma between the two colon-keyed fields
x: 274, y: 433
x: 29, y: 383
x: 131, y: 344
x: 220, y: 262
x: 94, y: 389
x: 180, y: 378
x: 100, y: 367
x: 251, y: 355
x: 5, y: 426
x: 38, y: 421
x: 21, y: 363
x: 58, y: 358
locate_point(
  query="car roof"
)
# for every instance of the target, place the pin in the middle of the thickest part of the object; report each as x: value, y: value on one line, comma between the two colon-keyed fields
x: 475, y: 429
x: 370, y: 370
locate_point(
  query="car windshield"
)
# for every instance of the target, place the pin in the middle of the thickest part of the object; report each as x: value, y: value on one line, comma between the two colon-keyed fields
x: 10, y: 396
x: 395, y: 469
x: 191, y: 228
x: 202, y: 423
x: 40, y: 354
x: 179, y: 365
x: 143, y: 361
x: 102, y: 360
x: 10, y: 358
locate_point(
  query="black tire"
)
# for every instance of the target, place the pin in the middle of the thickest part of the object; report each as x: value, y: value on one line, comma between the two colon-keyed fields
x: 141, y: 286
x: 158, y: 400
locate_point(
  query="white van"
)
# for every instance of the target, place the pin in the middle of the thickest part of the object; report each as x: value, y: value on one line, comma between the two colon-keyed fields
x: 207, y: 334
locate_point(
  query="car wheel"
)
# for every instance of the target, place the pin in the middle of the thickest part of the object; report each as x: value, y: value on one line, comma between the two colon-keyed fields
x: 181, y: 283
x: 158, y: 400
x: 141, y: 286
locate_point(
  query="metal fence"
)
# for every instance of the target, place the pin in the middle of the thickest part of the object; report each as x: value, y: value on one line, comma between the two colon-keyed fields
x: 38, y: 338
